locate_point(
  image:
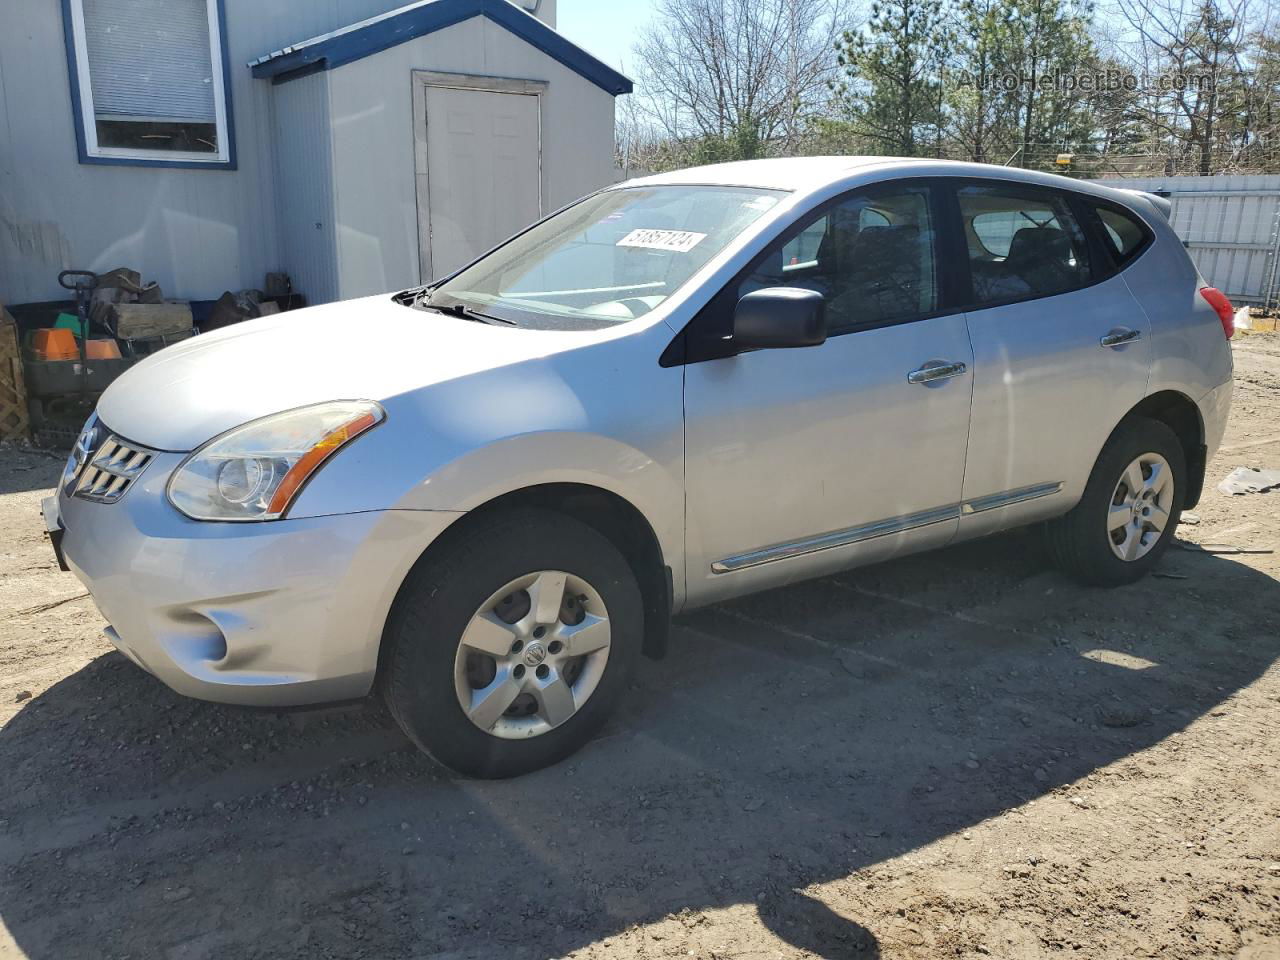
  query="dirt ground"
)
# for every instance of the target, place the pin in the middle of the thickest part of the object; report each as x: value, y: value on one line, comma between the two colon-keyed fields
x: 954, y: 755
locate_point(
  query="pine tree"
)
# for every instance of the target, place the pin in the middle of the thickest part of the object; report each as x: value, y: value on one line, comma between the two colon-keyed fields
x: 890, y: 92
x: 976, y: 100
x: 1052, y: 41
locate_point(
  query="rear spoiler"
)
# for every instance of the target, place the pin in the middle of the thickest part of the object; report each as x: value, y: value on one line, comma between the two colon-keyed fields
x: 1160, y: 200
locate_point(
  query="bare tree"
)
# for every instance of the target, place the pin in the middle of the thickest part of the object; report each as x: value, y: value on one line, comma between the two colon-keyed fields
x: 1258, y: 127
x: 640, y: 146
x: 1197, y: 44
x: 734, y: 79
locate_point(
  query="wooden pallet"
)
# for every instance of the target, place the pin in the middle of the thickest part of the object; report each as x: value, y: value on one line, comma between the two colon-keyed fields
x: 137, y: 321
x: 13, y: 392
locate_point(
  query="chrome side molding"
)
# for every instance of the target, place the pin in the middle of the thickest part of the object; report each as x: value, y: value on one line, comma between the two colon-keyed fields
x: 882, y: 528
x: 994, y: 501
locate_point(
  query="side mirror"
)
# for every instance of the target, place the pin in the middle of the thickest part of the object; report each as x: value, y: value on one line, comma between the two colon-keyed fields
x: 780, y: 317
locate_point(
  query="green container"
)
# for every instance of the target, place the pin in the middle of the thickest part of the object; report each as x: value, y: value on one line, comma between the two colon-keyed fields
x: 69, y: 321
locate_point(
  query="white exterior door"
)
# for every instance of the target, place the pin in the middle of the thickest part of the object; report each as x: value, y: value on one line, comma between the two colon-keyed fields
x: 483, y: 171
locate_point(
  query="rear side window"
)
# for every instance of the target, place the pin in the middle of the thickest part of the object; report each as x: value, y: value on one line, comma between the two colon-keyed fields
x: 1022, y: 243
x: 870, y: 255
x: 1124, y: 232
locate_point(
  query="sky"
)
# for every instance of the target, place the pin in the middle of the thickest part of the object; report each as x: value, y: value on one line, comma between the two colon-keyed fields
x: 605, y: 28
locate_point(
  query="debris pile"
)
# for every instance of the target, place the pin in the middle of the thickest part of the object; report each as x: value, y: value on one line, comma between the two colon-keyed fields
x: 1244, y: 480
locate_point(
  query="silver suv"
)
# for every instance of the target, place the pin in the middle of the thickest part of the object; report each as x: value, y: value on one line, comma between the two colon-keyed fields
x: 485, y: 497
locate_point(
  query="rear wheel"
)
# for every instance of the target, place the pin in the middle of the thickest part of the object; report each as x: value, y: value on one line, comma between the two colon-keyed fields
x: 509, y: 648
x: 1130, y: 507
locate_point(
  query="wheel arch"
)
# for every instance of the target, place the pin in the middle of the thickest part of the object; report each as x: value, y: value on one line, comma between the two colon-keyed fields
x: 610, y: 515
x: 1180, y: 414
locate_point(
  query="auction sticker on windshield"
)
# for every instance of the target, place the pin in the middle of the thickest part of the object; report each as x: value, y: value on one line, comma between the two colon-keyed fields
x: 678, y: 241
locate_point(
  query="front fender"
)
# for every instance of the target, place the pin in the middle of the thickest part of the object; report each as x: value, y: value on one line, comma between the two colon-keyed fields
x: 647, y: 482
x: 597, y: 417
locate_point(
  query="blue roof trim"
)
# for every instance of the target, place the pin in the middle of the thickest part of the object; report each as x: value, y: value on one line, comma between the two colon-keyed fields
x: 377, y: 34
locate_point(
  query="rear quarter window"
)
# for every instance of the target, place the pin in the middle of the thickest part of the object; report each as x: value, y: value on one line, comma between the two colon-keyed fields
x: 1123, y: 232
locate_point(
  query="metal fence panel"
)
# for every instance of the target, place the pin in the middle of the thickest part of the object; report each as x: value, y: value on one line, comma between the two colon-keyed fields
x: 1231, y: 226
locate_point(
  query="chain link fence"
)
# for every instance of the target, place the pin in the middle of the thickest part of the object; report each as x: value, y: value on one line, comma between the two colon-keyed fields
x: 1149, y: 159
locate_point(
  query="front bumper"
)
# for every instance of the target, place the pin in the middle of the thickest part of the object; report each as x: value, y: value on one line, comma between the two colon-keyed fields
x: 278, y: 613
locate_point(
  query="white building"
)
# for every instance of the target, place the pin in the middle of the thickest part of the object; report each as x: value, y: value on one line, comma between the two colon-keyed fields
x: 357, y: 145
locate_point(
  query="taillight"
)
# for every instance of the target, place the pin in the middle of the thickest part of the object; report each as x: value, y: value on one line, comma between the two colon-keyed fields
x: 1222, y: 307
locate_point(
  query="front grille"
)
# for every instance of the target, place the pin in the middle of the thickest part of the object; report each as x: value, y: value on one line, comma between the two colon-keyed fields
x: 110, y: 470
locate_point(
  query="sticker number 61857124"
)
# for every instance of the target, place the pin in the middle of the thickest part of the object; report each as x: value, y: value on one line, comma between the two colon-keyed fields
x: 677, y: 241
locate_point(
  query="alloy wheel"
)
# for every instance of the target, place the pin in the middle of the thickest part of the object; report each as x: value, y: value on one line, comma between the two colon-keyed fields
x: 1140, y: 507
x: 532, y: 655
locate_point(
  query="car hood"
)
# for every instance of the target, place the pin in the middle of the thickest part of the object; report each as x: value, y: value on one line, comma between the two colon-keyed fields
x: 371, y: 349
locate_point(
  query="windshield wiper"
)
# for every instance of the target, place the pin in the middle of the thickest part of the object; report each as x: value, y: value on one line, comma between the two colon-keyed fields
x: 410, y: 298
x: 463, y: 312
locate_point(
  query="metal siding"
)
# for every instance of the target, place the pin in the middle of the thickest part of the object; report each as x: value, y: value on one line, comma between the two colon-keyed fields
x: 198, y: 232
x: 304, y: 187
x: 374, y: 164
x: 1231, y: 226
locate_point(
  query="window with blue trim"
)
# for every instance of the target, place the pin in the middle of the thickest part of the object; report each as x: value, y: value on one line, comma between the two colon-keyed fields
x: 150, y: 81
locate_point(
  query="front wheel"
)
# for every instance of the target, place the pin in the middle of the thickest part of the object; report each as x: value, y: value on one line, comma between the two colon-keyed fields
x: 510, y: 646
x: 1130, y: 507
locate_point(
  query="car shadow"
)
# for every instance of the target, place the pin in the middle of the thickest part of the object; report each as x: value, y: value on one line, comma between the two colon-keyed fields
x: 789, y: 739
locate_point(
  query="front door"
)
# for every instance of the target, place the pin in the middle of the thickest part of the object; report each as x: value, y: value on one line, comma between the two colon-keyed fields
x: 803, y: 461
x: 484, y: 181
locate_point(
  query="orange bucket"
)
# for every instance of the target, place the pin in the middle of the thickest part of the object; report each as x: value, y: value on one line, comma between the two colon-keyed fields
x: 57, y: 343
x: 101, y: 350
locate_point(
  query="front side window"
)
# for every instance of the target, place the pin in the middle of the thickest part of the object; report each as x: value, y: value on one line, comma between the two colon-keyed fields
x: 1022, y: 243
x: 150, y: 79
x: 609, y: 259
x: 871, y: 256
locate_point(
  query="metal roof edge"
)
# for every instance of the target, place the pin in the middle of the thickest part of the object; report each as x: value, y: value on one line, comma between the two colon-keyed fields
x: 374, y: 35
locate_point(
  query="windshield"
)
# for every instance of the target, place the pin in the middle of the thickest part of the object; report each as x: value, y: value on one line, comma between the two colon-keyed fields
x: 611, y: 258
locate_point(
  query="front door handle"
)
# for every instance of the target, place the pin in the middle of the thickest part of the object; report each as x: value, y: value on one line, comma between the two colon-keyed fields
x: 936, y: 370
x: 1119, y: 337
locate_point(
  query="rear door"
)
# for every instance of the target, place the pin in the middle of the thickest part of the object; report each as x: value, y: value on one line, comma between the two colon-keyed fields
x: 1062, y: 351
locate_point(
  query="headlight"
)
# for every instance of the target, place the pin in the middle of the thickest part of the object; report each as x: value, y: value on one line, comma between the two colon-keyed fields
x: 254, y: 471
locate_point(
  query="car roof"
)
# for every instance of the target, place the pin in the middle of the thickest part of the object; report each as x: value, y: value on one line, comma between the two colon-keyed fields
x: 803, y: 174
x: 786, y: 173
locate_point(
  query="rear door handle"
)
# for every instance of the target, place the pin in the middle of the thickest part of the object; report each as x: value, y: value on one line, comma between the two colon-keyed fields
x: 1118, y: 338
x: 936, y: 370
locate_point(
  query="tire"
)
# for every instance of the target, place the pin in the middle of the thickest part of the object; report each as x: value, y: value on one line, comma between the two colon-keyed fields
x: 428, y: 671
x: 1083, y: 544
